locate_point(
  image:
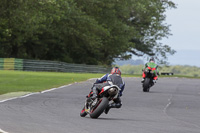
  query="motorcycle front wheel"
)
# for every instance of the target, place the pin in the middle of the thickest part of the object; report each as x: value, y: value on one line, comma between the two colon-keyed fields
x: 100, y: 106
x: 83, y: 112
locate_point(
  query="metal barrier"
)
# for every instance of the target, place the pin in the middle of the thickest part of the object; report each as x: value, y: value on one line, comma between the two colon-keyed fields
x: 53, y: 66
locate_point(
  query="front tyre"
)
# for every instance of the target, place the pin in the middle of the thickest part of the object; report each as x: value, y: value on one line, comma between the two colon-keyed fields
x: 146, y: 85
x: 99, y: 107
x: 83, y: 112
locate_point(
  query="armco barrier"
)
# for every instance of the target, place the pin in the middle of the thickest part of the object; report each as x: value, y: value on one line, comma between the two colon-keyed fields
x: 1, y: 63
x: 54, y: 66
x: 11, y: 64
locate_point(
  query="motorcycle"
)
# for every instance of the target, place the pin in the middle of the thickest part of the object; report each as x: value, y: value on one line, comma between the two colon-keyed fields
x: 95, y: 107
x: 148, y: 81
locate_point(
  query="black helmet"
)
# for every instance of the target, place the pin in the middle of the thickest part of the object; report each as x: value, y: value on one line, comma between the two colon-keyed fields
x: 116, y: 70
x: 151, y: 59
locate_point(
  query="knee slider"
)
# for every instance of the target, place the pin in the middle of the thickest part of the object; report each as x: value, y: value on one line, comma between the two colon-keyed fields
x: 118, y: 105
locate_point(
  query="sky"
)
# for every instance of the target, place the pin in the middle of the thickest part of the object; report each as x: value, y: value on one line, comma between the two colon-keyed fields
x: 185, y: 27
x: 185, y: 30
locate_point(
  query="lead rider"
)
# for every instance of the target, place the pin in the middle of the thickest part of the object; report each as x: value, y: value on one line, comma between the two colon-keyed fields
x: 114, y: 78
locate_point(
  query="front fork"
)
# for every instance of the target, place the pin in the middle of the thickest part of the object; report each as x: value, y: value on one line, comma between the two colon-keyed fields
x: 89, y: 103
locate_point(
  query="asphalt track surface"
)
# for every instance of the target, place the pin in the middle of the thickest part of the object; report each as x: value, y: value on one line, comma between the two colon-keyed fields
x: 171, y: 106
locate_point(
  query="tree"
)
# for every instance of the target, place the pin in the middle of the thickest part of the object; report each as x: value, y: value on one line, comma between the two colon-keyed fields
x: 147, y: 18
x: 134, y: 27
x: 83, y: 31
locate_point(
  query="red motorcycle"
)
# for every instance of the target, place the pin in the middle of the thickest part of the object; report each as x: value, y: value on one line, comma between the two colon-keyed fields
x: 150, y: 73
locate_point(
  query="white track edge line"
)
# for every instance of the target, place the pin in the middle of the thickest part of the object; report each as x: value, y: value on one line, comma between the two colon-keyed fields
x: 2, y: 131
x: 34, y: 93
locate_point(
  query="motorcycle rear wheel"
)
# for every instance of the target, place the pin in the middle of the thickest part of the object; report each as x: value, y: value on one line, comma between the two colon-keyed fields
x: 99, y: 108
x: 146, y: 85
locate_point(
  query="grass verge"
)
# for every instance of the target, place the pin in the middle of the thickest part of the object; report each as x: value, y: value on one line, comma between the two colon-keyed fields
x: 23, y: 81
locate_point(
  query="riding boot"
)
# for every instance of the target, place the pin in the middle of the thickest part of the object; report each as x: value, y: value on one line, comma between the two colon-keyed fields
x: 94, y: 94
x: 116, y: 104
x: 107, y: 109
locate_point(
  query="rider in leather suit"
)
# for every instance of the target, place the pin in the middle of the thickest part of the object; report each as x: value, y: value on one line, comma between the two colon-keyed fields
x: 114, y: 78
x: 151, y: 61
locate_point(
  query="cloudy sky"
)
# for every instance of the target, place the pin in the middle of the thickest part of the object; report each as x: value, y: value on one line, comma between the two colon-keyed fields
x: 185, y: 27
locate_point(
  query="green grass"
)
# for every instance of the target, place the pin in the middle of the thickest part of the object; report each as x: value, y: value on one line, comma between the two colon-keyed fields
x: 22, y: 81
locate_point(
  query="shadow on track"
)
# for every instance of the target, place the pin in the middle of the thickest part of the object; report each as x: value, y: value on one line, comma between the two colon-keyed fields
x: 113, y: 119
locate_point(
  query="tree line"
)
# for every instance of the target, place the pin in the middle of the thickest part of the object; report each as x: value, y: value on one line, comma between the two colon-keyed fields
x: 83, y: 31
